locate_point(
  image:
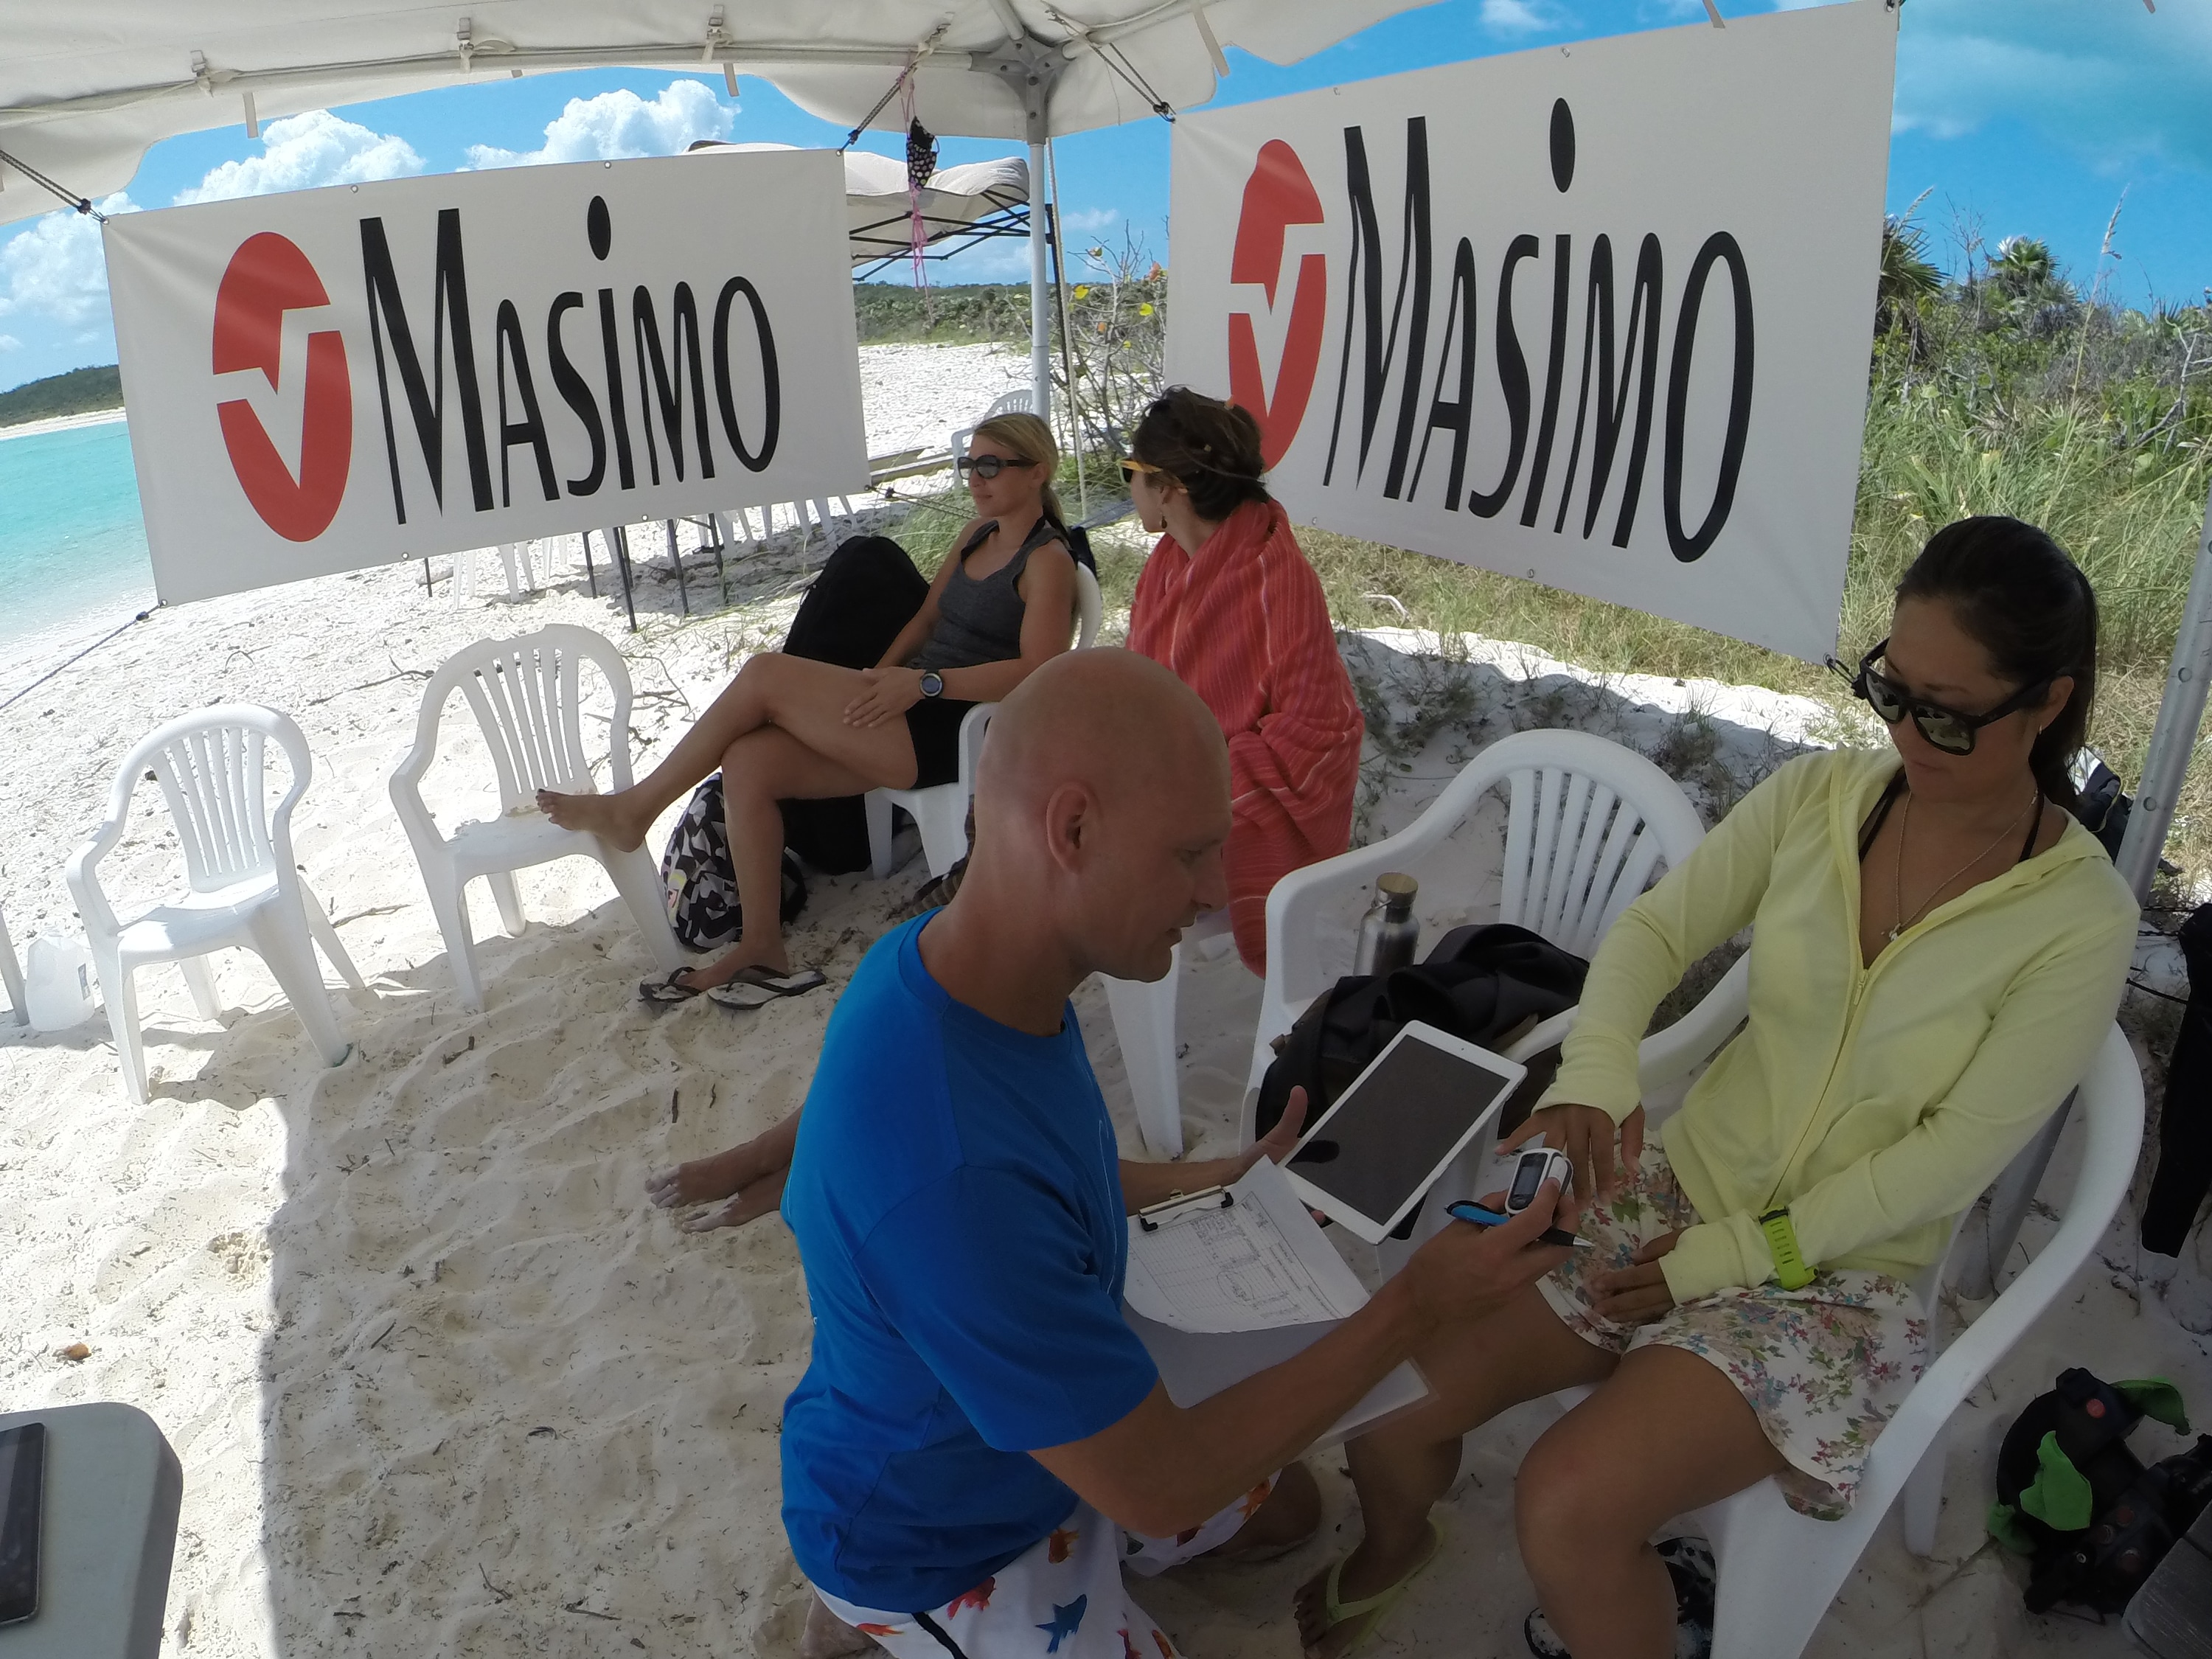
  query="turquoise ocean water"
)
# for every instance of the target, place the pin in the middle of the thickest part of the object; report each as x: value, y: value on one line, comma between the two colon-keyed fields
x: 72, y: 541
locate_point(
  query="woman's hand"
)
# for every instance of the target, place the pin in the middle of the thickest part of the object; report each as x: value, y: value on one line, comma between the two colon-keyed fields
x: 1635, y: 1295
x: 1585, y: 1134
x: 891, y: 692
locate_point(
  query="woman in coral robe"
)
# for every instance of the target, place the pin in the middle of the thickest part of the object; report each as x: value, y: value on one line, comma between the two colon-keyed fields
x: 1229, y: 603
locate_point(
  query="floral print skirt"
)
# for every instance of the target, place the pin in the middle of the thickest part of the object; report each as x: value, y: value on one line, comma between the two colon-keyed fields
x: 1823, y: 1367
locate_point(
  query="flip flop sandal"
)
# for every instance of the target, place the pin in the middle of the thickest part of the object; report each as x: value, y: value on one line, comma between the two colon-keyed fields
x: 1376, y: 1608
x: 667, y: 992
x: 750, y: 989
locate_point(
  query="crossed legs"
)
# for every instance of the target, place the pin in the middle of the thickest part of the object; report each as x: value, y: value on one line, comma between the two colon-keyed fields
x: 778, y: 732
x: 1590, y: 1493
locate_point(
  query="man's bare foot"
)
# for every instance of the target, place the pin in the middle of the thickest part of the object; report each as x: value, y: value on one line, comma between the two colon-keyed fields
x: 613, y: 818
x: 760, y: 1198
x: 725, y: 1174
x: 828, y: 1636
x: 1290, y: 1515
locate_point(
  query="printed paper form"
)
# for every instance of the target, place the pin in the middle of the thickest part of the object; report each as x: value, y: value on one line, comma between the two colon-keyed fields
x: 1258, y: 1264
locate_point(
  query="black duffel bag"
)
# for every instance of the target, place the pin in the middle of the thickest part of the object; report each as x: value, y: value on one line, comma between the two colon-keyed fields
x: 1486, y: 984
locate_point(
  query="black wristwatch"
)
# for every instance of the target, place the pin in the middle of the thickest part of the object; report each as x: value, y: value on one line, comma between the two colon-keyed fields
x: 933, y: 683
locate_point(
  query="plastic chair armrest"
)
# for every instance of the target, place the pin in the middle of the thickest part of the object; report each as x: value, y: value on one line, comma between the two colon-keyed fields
x: 407, y: 804
x: 2111, y: 1109
x: 1544, y: 1035
x: 973, y: 726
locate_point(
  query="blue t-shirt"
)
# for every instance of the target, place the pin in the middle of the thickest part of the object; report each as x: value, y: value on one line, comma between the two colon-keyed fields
x: 956, y: 1198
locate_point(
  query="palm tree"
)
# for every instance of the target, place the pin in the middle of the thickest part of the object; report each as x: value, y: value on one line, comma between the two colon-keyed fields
x: 1909, y: 279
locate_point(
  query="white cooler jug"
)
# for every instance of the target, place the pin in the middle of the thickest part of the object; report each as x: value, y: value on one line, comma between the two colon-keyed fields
x: 58, y: 983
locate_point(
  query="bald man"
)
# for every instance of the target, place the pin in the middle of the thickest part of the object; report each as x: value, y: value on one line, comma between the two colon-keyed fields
x: 980, y: 1442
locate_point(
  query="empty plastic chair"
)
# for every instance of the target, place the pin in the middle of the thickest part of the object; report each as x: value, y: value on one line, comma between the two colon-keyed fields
x: 940, y: 811
x: 527, y: 697
x: 245, y: 887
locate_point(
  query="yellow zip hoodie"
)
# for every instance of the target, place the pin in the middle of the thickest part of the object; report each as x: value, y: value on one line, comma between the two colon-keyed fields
x: 1876, y: 1102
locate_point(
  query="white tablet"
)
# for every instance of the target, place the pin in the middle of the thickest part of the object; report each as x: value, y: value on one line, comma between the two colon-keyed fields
x: 1389, y: 1136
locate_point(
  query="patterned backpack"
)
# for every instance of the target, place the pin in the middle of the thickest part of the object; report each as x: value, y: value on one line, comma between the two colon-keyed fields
x: 701, y: 883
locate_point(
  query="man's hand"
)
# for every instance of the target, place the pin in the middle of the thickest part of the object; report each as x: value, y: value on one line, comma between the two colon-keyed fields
x: 1635, y: 1295
x: 1466, y: 1272
x: 1585, y: 1134
x: 1280, y: 1142
x: 891, y: 692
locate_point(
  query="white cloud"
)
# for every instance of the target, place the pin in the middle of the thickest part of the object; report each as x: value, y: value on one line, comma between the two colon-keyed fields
x: 620, y: 125
x: 1519, y: 16
x: 8, y: 343
x: 2115, y: 82
x: 55, y: 270
x: 301, y: 152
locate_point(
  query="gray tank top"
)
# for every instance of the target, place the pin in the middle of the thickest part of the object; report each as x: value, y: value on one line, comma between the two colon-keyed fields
x: 980, y: 621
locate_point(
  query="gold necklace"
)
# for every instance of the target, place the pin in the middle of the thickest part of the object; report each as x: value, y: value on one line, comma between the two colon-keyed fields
x: 1901, y: 921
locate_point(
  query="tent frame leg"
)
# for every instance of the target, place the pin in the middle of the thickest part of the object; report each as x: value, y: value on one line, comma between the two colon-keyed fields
x: 2174, y: 738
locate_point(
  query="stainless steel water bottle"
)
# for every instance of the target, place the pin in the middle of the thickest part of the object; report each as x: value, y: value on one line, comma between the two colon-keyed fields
x: 1388, y: 935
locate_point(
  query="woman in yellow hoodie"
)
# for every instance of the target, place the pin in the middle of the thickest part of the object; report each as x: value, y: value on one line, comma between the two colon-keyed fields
x: 1937, y: 950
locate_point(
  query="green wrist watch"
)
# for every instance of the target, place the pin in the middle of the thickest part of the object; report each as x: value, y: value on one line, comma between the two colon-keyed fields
x: 1790, y: 1271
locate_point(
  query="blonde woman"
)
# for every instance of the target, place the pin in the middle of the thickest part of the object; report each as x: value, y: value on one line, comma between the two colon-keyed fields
x: 789, y: 728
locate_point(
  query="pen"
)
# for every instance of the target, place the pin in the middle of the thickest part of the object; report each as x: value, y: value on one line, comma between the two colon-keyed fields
x: 1467, y: 1210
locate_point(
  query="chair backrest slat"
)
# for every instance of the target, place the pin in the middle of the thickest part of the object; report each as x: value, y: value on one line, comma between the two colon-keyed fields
x: 212, y: 779
x: 527, y: 693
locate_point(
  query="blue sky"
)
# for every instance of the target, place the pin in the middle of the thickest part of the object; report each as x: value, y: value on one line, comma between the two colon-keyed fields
x: 2017, y: 117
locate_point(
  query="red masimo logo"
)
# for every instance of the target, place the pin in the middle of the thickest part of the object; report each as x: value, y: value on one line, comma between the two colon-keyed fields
x: 267, y: 278
x: 1277, y: 195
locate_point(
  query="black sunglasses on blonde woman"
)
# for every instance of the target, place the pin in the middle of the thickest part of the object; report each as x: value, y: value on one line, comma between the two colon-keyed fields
x: 988, y: 466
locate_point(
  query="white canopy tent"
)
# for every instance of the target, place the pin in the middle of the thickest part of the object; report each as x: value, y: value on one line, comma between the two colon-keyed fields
x: 975, y: 200
x: 86, y: 88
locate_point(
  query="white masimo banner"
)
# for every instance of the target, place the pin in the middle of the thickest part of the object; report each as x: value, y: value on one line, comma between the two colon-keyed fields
x: 338, y: 377
x: 1597, y: 315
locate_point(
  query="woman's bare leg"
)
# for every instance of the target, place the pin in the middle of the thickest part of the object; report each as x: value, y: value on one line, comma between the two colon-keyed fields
x: 1401, y: 1469
x: 761, y: 771
x: 795, y: 694
x: 1666, y: 1433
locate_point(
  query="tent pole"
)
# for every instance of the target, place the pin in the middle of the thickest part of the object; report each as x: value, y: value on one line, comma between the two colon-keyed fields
x: 1039, y: 306
x: 1067, y: 355
x: 2174, y: 739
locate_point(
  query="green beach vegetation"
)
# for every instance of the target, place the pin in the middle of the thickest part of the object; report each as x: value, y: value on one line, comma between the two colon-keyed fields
x: 80, y: 391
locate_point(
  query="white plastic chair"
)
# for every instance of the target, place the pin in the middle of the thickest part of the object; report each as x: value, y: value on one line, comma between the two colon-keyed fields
x: 1586, y: 823
x: 527, y: 700
x: 1778, y: 1570
x: 245, y: 887
x: 940, y: 811
x: 1011, y: 403
x: 11, y: 972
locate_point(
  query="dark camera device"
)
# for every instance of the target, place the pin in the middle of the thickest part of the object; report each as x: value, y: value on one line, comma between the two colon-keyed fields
x: 1530, y: 1174
x: 22, y: 1494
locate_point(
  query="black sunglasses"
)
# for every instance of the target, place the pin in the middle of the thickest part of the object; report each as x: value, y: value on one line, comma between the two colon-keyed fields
x: 1947, y: 729
x: 988, y: 466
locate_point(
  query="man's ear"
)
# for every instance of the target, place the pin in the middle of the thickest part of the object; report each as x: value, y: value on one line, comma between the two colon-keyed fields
x: 1071, y: 821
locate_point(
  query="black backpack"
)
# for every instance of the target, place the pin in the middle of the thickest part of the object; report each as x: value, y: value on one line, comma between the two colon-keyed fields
x: 701, y: 881
x: 867, y: 590
x: 1485, y: 983
x: 2080, y: 1505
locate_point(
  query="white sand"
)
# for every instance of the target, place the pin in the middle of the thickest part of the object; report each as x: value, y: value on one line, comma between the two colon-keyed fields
x: 442, y: 1383
x: 60, y: 424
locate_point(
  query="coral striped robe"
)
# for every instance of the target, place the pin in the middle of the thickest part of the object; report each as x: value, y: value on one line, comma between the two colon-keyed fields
x: 1245, y: 624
